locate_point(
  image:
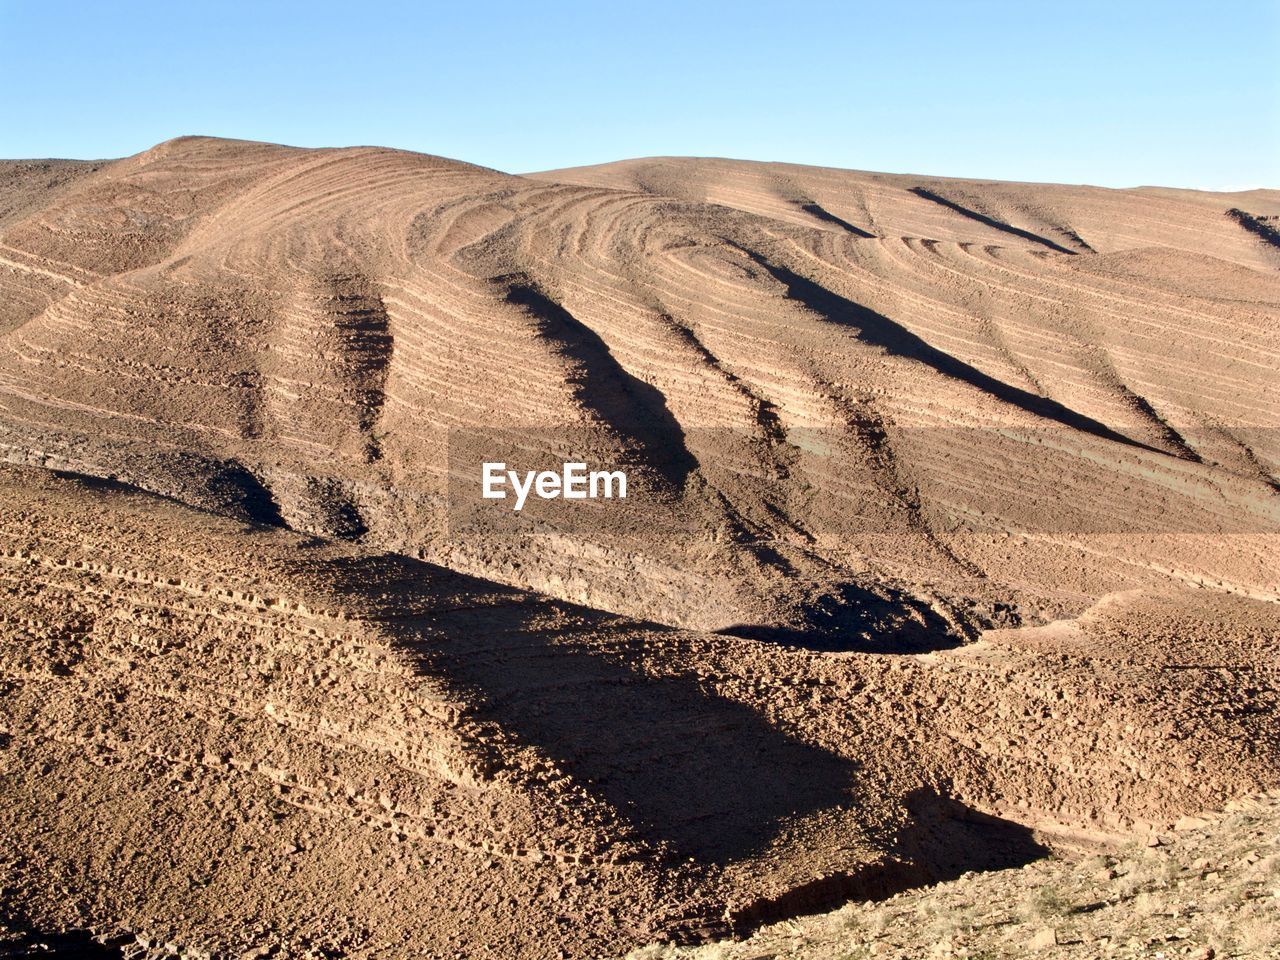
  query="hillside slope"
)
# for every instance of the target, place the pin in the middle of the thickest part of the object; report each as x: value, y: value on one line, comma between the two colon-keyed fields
x: 951, y: 538
x: 1206, y: 891
x: 832, y: 437
x: 233, y: 737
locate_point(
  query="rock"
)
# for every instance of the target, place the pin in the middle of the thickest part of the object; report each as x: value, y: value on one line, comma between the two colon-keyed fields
x: 1044, y: 938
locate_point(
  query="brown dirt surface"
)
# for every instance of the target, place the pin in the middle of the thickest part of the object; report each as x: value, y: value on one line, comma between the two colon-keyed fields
x: 1208, y: 890
x: 951, y: 540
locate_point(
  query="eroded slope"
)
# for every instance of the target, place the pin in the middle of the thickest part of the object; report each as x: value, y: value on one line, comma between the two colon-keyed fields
x: 231, y: 736
x: 840, y: 426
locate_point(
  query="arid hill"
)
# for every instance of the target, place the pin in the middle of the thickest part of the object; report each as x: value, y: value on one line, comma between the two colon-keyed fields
x: 951, y: 537
x: 830, y: 433
x: 231, y: 737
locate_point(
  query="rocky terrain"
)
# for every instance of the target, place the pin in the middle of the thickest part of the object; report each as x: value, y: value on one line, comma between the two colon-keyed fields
x: 1207, y: 890
x: 215, y: 733
x: 950, y: 542
x: 335, y: 340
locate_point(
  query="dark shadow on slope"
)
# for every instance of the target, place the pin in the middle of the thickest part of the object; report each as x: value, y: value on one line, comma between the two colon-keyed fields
x: 877, y: 329
x: 948, y: 839
x: 942, y: 841
x: 363, y: 327
x: 324, y: 507
x: 247, y: 492
x: 90, y: 481
x: 826, y: 216
x: 709, y: 778
x: 1264, y: 228
x: 26, y: 941
x: 854, y: 619
x: 626, y: 403
x: 1169, y: 433
x: 702, y: 777
x: 989, y: 221
x: 195, y: 481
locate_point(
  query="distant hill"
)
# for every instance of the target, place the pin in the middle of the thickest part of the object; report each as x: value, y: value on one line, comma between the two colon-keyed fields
x: 829, y: 384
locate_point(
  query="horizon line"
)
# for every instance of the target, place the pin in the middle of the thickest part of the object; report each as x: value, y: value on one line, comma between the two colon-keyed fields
x: 1230, y: 189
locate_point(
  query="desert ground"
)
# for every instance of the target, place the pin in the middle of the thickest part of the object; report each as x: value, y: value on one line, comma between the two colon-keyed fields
x: 1206, y: 890
x: 949, y: 565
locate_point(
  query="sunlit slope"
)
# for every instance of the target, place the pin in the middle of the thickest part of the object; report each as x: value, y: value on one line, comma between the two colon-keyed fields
x: 1042, y: 216
x: 857, y: 410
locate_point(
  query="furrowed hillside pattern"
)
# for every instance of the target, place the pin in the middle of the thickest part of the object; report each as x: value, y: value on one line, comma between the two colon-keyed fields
x: 299, y: 337
x: 951, y: 535
x: 235, y: 736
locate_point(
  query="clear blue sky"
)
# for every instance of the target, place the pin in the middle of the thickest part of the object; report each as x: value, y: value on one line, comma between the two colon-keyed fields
x: 1114, y: 93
